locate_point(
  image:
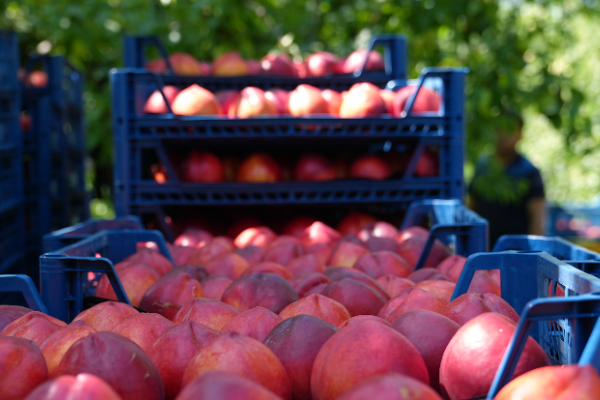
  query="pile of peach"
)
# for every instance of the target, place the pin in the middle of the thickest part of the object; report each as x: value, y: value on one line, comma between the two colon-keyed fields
x: 319, y: 64
x: 360, y: 101
x: 312, y: 315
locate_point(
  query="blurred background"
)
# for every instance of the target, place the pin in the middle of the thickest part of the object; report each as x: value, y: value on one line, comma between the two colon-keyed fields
x: 536, y: 57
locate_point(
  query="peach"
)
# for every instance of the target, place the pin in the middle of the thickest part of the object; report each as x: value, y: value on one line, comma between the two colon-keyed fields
x: 452, y: 267
x: 321, y: 63
x: 256, y: 323
x: 143, y: 329
x: 252, y: 254
x: 175, y: 348
x: 270, y: 268
x: 318, y: 306
x: 135, y: 278
x: 241, y: 225
x: 379, y: 243
x: 354, y: 222
x: 211, y: 313
x: 359, y: 352
x: 259, y: 168
x: 394, y: 285
x: 158, y: 66
x: 156, y: 102
x: 390, y: 386
x: 388, y: 97
x: 370, y: 167
x: 283, y: 253
x: 9, y: 313
x: 181, y: 254
x: 410, y: 232
x: 321, y: 251
x: 553, y: 383
x: 333, y: 99
x: 230, y: 265
x: 22, y: 368
x: 411, y: 249
x: 300, y: 67
x: 105, y: 316
x: 469, y: 305
x: 267, y: 290
x: 313, y: 167
x: 118, y: 361
x: 425, y: 274
x: 296, y: 343
x: 359, y: 319
x: 303, y: 283
x: 280, y: 98
x: 168, y: 294
x: 253, y: 67
x: 443, y: 289
x: 197, y: 272
x: 427, y: 100
x: 205, y: 254
x: 473, y: 356
x: 219, y: 385
x: 346, y: 253
x: 202, y: 167
x: 277, y: 64
x: 430, y: 333
x: 484, y: 283
x: 305, y: 264
x: 154, y: 259
x: 251, y: 103
x: 357, y: 59
x: 379, y: 229
x: 317, y: 289
x: 362, y: 100
x: 215, y: 286
x: 335, y: 273
x: 37, y: 79
x: 358, y: 297
x: 380, y: 263
x: 195, y: 100
x: 224, y: 241
x: 227, y: 100
x: 230, y: 64
x: 411, y: 299
x: 318, y: 233
x: 428, y: 164
x: 241, y: 355
x: 306, y: 100
x: 57, y: 344
x: 184, y: 64
x: 297, y: 226
x: 34, y: 326
x: 82, y: 386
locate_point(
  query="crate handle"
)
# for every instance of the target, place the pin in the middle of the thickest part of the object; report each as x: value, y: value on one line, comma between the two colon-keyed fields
x: 24, y: 285
x: 394, y: 54
x: 160, y: 84
x: 135, y: 45
x: 540, y: 310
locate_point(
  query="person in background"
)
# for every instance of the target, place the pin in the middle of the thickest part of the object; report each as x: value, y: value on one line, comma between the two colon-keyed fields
x: 507, y: 189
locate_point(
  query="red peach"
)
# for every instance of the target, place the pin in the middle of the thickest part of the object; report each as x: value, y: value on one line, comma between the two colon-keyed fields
x: 411, y: 299
x: 409, y: 232
x: 202, y: 167
x: 297, y: 226
x: 241, y: 225
x: 303, y: 283
x: 135, y: 278
x: 346, y: 253
x: 195, y: 100
x: 359, y: 319
x: 427, y: 100
x: 156, y: 103
x: 243, y: 356
x: 452, y: 267
x: 193, y: 237
x: 390, y: 386
x: 358, y: 297
x: 334, y: 101
x: 82, y: 386
x: 321, y: 251
x: 318, y: 306
x: 394, y: 285
x: 425, y: 274
x: 215, y: 286
x: 34, y: 326
x: 283, y: 253
x: 484, y: 283
x: 379, y: 244
x: 227, y: 99
x: 318, y: 232
x: 224, y: 241
x: 317, y: 289
x: 253, y: 67
x: 181, y: 254
x: 313, y: 167
x: 154, y: 259
x: 370, y: 167
x: 175, y: 348
x: 9, y: 313
x: 22, y: 368
x: 296, y: 343
x: 252, y: 254
x: 470, y: 305
x: 219, y: 385
x: 277, y: 64
x: 208, y: 312
x: 362, y: 100
x: 378, y: 229
x: 306, y: 100
x: 207, y: 253
x: 359, y: 352
x: 105, y: 316
x: 411, y: 249
x: 197, y: 272
x: 57, y: 344
x: 256, y: 323
x: 321, y: 63
x: 259, y: 168
x: 354, y: 222
x: 230, y: 265
x: 184, y: 64
x: 280, y: 98
x: 428, y: 164
x: 335, y: 273
x: 382, y: 263
x: 388, y: 97
x: 269, y: 268
x: 168, y: 294
x: 230, y: 64
x: 305, y: 264
x: 143, y: 329
x: 357, y: 59
x: 267, y: 290
x: 443, y: 289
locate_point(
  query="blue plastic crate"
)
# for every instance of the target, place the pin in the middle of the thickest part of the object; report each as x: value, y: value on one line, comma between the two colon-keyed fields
x: 452, y: 223
x: 136, y: 135
x: 582, y: 311
x: 54, y: 154
x: 11, y: 284
x: 58, y: 239
x: 555, y: 246
x: 68, y: 275
x: 9, y: 61
x: 395, y: 61
x: 12, y: 245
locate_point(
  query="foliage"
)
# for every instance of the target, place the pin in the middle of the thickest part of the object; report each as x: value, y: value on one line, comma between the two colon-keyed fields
x: 521, y: 53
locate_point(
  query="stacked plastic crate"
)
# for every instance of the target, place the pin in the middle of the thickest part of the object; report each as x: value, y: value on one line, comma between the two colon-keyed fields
x: 54, y: 153
x: 11, y: 187
x: 143, y: 139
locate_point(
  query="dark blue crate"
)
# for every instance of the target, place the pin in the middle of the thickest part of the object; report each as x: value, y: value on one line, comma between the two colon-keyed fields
x: 395, y: 60
x: 69, y: 274
x: 136, y: 133
x: 54, y: 153
x: 555, y: 246
x: 12, y: 241
x: 582, y: 311
x: 22, y: 284
x: 56, y: 240
x: 451, y: 222
x: 9, y: 61
x: 529, y: 275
